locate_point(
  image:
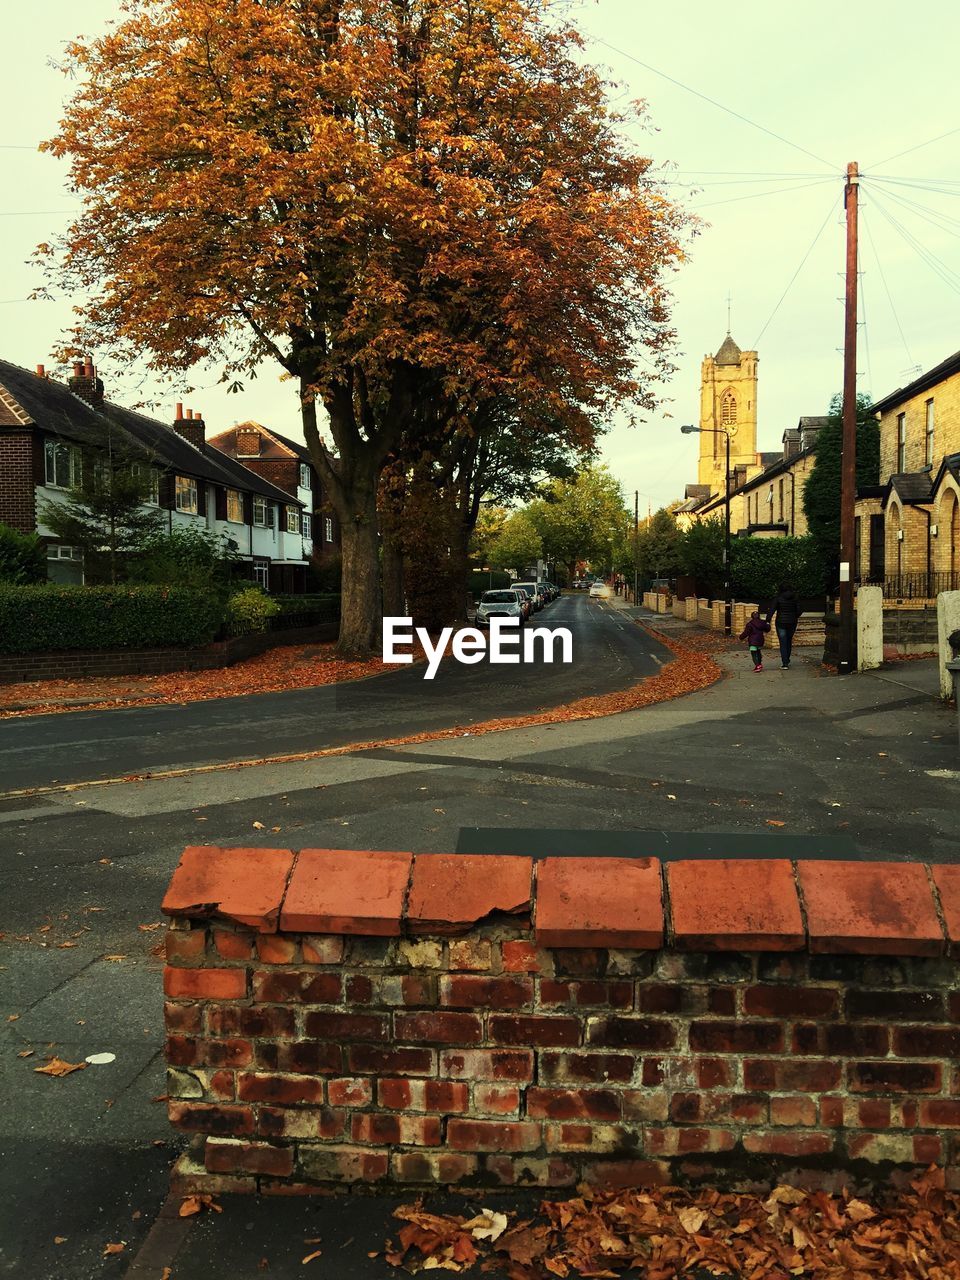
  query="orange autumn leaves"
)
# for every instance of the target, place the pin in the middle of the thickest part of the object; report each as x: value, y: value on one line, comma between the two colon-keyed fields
x: 672, y: 1233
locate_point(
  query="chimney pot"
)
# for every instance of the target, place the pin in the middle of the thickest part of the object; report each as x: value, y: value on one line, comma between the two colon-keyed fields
x: 189, y: 415
x: 78, y: 368
x: 41, y: 372
x: 88, y: 369
x: 179, y: 410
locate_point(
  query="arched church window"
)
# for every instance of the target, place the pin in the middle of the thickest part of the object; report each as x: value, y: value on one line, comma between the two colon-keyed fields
x: 728, y: 409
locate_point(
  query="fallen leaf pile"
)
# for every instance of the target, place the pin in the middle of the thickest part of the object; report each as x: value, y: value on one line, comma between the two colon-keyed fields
x: 191, y: 1205
x: 670, y: 1233
x: 290, y: 667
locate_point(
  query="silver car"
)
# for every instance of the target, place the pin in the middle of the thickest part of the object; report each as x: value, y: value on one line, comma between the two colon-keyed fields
x: 499, y: 604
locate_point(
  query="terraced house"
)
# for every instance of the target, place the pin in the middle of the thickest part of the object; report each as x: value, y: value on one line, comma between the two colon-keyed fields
x: 51, y: 430
x: 908, y: 529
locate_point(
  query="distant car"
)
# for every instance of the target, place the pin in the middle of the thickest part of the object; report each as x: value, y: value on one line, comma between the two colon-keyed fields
x: 547, y: 591
x: 501, y: 604
x: 599, y: 590
x: 537, y: 599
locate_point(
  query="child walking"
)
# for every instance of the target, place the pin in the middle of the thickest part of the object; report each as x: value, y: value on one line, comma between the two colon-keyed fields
x: 753, y: 633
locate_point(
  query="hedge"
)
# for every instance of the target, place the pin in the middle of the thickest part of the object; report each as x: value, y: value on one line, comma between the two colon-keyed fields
x: 325, y: 605
x: 759, y: 565
x: 39, y: 619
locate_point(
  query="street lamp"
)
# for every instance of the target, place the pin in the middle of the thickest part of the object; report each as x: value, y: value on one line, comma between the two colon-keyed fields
x: 689, y: 429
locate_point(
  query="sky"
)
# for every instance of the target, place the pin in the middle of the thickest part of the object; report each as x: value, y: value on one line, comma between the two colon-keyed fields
x: 864, y: 80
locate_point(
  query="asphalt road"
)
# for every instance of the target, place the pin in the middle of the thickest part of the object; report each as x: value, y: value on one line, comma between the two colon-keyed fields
x: 609, y: 653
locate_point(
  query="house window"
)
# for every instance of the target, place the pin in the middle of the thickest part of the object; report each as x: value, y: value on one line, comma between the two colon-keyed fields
x: 328, y: 528
x: 305, y: 476
x: 63, y: 464
x: 150, y: 477
x: 261, y: 515
x: 261, y: 574
x: 928, y: 436
x: 186, y: 495
x: 56, y: 552
x: 901, y: 442
x: 293, y: 519
x: 305, y: 525
x: 234, y: 506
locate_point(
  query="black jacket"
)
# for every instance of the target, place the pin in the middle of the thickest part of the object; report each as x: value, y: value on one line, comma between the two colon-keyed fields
x: 786, y: 608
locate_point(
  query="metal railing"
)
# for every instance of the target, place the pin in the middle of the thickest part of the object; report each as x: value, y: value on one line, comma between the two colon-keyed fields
x: 920, y: 586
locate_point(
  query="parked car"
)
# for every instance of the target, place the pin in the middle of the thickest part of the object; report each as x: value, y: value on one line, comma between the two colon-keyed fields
x: 537, y: 598
x: 546, y: 591
x: 526, y: 599
x: 501, y: 604
x: 599, y: 590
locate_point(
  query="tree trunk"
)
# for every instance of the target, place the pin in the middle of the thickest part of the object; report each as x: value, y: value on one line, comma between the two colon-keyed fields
x: 460, y: 572
x: 394, y: 596
x: 360, y: 612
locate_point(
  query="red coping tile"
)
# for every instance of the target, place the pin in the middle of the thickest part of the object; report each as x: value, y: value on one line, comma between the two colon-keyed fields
x: 245, y: 885
x: 599, y: 902
x: 342, y: 891
x: 735, y: 904
x: 947, y: 879
x: 870, y: 908
x: 451, y: 892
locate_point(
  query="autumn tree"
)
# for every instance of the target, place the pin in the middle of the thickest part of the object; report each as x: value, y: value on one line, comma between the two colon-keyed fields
x: 412, y: 207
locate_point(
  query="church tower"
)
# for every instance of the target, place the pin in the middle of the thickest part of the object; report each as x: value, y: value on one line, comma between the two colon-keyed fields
x: 728, y: 401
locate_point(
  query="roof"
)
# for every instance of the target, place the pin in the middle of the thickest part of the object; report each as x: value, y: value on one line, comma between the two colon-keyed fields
x: 696, y: 491
x: 813, y: 423
x: 912, y: 486
x: 926, y: 380
x: 52, y: 406
x: 772, y: 458
x: 729, y: 352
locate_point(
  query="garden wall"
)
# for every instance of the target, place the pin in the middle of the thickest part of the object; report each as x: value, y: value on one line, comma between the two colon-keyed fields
x: 379, y: 1018
x: 73, y: 664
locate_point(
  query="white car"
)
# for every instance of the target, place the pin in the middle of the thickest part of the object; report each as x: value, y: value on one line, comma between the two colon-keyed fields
x: 599, y: 589
x: 499, y: 604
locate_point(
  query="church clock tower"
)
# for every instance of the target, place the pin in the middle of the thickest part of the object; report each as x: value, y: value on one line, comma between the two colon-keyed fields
x: 728, y: 402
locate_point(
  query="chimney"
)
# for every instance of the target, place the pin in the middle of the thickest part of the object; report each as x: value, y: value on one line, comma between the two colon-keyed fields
x: 248, y: 442
x: 809, y: 430
x: 791, y: 443
x: 41, y: 371
x: 190, y: 427
x: 738, y: 477
x: 85, y: 383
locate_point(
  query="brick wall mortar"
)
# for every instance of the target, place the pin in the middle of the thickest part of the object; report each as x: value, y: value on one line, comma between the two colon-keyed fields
x: 484, y: 1059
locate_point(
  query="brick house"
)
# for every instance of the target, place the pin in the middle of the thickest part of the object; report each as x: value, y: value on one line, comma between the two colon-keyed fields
x: 50, y: 431
x: 287, y: 464
x: 769, y: 503
x: 909, y: 527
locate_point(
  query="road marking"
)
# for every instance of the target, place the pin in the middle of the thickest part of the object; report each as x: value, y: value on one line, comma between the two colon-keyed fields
x: 953, y: 774
x: 658, y: 661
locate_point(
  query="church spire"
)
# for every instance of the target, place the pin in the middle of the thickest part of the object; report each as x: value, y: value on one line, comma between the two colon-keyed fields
x: 729, y: 352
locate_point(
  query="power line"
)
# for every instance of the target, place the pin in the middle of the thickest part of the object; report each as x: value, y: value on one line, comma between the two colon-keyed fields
x: 886, y: 287
x: 755, y: 195
x: 933, y: 216
x: 713, y: 102
x: 947, y: 274
x: 813, y: 244
x: 866, y: 328
x: 918, y: 147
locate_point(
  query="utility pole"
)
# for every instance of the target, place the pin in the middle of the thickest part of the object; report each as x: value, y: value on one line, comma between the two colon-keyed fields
x: 848, y: 468
x: 727, y: 593
x: 636, y: 542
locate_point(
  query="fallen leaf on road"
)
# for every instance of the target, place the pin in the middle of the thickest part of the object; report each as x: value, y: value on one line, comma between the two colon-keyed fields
x: 259, y: 826
x: 105, y: 862
x: 60, y: 1239
x: 114, y: 1248
x: 115, y: 959
x: 317, y: 1253
x: 276, y: 828
x: 149, y: 928
x: 775, y: 822
x: 62, y: 946
x: 57, y: 1067
x: 691, y: 1220
x: 439, y: 811
x: 196, y: 1204
x: 13, y: 1017
x: 25, y: 1053
x: 857, y: 1211
x: 166, y: 1274
x: 488, y: 1225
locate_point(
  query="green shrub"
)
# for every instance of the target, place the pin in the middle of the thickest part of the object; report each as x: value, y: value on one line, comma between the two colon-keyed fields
x: 23, y: 557
x: 759, y: 565
x: 37, y: 619
x: 324, y: 574
x: 326, y: 605
x: 250, y: 610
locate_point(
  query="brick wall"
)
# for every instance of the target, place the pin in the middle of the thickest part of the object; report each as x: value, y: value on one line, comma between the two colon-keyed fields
x: 17, y: 503
x: 342, y: 1017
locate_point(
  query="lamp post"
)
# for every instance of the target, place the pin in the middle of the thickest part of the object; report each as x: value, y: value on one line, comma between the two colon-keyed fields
x: 689, y: 429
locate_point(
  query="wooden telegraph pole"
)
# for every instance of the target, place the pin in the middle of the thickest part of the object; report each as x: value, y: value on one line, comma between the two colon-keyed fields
x: 848, y: 470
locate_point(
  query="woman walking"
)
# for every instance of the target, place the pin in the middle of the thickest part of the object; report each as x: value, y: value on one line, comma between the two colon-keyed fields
x: 787, y: 612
